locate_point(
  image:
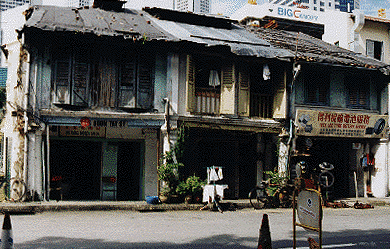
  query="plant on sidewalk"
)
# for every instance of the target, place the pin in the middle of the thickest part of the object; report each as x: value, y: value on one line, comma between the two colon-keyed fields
x: 191, y: 187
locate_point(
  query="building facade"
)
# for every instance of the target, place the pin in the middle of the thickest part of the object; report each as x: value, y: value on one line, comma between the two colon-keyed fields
x: 79, y: 3
x: 321, y: 5
x: 196, y: 6
x: 99, y: 118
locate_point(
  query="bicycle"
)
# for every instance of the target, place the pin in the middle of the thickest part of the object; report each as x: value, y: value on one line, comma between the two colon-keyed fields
x: 17, y: 186
x: 262, y: 196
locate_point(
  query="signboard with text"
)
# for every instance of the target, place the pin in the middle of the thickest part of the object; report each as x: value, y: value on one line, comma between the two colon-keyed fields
x: 340, y: 124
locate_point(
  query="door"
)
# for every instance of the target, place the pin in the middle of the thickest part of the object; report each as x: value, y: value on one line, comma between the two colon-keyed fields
x: 75, y: 169
x: 129, y: 171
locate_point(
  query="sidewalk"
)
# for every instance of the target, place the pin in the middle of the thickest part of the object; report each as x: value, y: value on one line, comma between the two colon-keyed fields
x: 142, y: 206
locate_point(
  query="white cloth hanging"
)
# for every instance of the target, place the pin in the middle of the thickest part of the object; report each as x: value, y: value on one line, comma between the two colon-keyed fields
x: 213, y: 175
x: 220, y: 175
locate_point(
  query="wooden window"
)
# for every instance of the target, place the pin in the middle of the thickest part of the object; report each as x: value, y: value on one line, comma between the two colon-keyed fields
x: 71, y: 78
x: 358, y: 91
x: 136, y: 81
x: 374, y: 49
x: 316, y: 86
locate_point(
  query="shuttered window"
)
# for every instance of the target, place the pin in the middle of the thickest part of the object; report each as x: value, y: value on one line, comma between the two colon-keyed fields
x: 358, y: 91
x: 374, y: 49
x: 127, y: 82
x: 136, y: 81
x: 316, y: 86
x: 71, y: 79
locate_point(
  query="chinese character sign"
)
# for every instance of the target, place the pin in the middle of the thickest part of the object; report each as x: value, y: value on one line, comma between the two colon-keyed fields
x: 340, y: 124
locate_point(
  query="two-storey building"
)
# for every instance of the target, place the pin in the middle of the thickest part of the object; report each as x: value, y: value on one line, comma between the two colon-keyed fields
x: 95, y: 96
x: 338, y: 107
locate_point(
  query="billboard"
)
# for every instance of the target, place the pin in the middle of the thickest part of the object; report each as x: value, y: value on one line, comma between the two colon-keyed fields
x: 340, y: 124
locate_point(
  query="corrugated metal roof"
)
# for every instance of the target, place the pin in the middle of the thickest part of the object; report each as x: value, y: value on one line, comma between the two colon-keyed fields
x: 139, y: 24
x: 311, y: 49
x: 129, y: 23
x: 240, y: 41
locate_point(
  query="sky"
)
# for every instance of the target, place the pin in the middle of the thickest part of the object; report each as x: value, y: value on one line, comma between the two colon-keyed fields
x: 227, y: 7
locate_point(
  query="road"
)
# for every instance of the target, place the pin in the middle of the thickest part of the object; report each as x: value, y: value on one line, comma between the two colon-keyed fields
x: 342, y: 228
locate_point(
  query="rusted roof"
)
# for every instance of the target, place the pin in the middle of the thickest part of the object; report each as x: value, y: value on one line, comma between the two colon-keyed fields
x: 137, y: 24
x: 131, y: 24
x: 311, y: 49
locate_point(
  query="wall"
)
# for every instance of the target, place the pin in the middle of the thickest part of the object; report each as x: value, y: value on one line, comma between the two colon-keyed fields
x: 378, y: 32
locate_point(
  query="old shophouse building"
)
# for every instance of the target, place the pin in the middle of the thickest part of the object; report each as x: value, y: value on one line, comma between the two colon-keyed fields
x: 95, y: 97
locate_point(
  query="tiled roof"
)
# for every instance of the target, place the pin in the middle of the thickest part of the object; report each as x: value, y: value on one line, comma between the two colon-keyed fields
x: 310, y: 49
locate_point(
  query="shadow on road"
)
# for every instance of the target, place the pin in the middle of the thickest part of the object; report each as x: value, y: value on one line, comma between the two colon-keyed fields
x: 353, y: 238
x: 213, y: 242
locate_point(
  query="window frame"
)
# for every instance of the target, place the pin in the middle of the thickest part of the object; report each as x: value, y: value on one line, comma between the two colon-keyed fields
x: 356, y: 85
x: 316, y: 74
x: 371, y: 49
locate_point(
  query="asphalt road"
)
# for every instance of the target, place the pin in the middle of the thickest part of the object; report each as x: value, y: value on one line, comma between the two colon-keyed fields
x: 342, y: 228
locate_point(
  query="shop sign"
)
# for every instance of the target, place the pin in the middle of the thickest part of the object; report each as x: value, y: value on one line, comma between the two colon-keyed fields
x: 297, y: 13
x: 340, y: 124
x: 78, y: 131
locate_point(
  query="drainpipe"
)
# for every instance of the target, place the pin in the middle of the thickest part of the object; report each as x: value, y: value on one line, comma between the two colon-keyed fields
x: 387, y: 167
x: 296, y: 71
x: 26, y: 95
x: 354, y: 36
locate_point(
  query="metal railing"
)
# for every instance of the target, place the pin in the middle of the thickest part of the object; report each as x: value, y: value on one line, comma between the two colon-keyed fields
x: 207, y: 101
x: 261, y: 105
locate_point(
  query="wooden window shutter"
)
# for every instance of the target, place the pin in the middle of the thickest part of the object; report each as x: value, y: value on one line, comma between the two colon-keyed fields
x: 280, y: 99
x: 81, y: 71
x: 145, y: 82
x: 228, y: 99
x: 127, y: 82
x: 62, y: 80
x: 190, y: 84
x: 244, y: 93
x: 370, y: 48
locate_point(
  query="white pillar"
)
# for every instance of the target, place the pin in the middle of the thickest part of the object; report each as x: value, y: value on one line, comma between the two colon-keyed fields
x: 282, y: 160
x: 379, y: 175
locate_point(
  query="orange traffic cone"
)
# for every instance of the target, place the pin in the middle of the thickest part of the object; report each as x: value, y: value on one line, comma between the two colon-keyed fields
x: 265, y: 234
x: 313, y: 244
x: 6, y: 242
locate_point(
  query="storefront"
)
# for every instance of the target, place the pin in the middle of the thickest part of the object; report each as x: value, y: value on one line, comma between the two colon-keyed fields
x: 103, y: 160
x: 243, y: 155
x: 349, y: 141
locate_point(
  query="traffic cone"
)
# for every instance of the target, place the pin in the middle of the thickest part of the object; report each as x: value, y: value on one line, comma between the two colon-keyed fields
x: 264, y: 234
x: 7, y: 241
x: 313, y: 244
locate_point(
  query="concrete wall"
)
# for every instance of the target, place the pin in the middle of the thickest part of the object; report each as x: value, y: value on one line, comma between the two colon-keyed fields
x: 378, y: 32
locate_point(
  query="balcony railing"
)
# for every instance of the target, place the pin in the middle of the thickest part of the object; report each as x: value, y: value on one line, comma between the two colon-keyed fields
x: 261, y: 105
x: 207, y: 101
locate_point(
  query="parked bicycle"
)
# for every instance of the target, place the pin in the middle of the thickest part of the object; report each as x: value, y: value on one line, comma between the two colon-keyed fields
x: 17, y: 186
x: 272, y: 195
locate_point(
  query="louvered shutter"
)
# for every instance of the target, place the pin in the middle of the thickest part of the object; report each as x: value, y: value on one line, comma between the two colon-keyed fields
x: 81, y: 71
x: 190, y: 84
x: 227, y: 89
x: 62, y: 80
x: 243, y: 99
x: 145, y: 82
x: 280, y: 98
x: 370, y: 48
x: 127, y: 83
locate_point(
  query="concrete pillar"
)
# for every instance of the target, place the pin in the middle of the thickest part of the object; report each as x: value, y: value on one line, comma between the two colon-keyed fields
x: 379, y: 181
x: 283, y: 158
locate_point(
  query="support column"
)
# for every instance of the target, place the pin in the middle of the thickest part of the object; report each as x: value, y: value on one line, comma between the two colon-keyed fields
x: 283, y: 158
x: 379, y: 181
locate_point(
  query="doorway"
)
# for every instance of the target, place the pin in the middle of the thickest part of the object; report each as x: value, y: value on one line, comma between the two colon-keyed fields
x: 75, y: 169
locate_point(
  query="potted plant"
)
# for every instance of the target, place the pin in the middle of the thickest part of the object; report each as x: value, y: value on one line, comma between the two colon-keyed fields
x: 191, y: 188
x: 168, y: 174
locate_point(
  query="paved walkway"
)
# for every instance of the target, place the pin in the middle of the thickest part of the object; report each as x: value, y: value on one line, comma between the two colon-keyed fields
x: 142, y: 206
